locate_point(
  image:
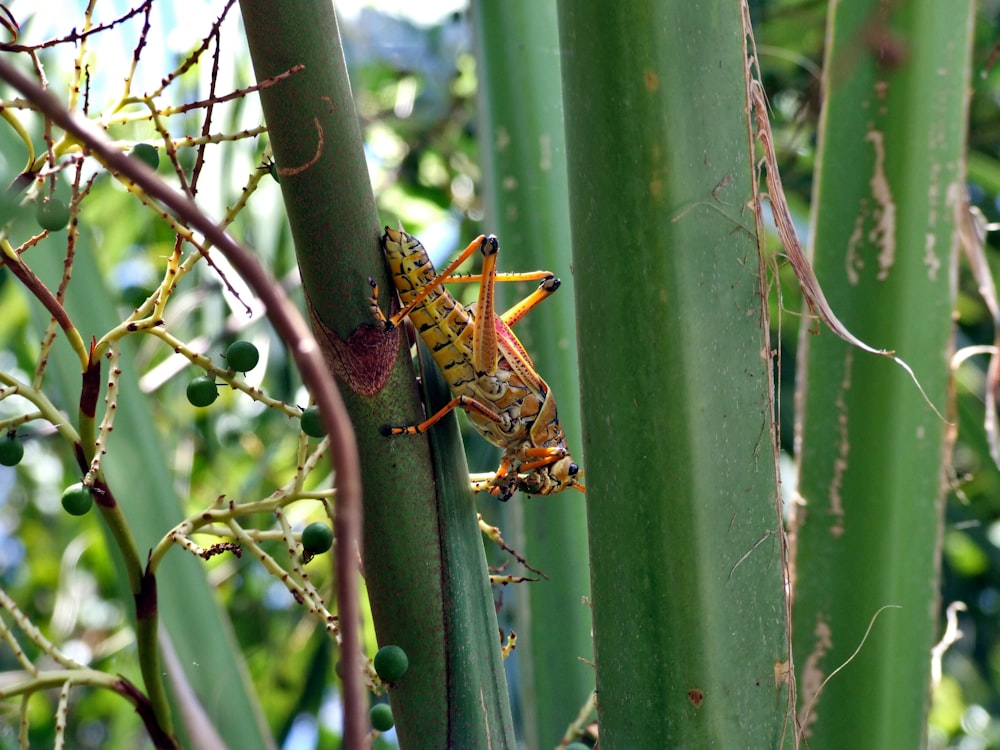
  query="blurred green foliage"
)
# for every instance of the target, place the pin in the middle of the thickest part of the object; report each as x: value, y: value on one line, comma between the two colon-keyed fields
x: 415, y: 90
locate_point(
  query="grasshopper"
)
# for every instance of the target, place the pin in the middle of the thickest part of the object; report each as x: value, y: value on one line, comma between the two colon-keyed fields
x: 490, y: 375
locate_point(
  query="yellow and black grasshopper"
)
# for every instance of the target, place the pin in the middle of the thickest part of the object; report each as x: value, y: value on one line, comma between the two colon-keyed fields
x: 490, y: 375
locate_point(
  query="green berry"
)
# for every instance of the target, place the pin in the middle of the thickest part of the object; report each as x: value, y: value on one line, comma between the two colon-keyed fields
x: 11, y: 451
x: 380, y: 716
x: 312, y: 423
x: 52, y: 214
x: 317, y: 538
x: 577, y: 746
x: 202, y: 391
x: 242, y: 356
x: 146, y: 154
x: 391, y: 663
x: 77, y: 499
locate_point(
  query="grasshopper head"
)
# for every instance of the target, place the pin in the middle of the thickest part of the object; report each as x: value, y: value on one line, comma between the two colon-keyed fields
x: 552, y: 478
x: 566, y: 473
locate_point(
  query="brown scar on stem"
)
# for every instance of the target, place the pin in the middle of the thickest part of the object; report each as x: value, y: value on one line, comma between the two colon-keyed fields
x: 824, y: 644
x: 362, y: 362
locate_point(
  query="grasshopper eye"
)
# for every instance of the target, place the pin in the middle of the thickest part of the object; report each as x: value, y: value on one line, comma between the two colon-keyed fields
x: 573, y: 470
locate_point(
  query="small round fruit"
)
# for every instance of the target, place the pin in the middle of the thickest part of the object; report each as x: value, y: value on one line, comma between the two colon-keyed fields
x: 52, y: 214
x: 391, y: 663
x: 312, y: 423
x: 11, y: 451
x: 202, y: 391
x: 317, y: 538
x: 380, y: 715
x: 242, y: 356
x: 146, y: 153
x: 77, y: 499
x: 577, y: 746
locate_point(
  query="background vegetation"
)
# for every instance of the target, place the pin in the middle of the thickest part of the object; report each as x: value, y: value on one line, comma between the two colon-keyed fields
x: 415, y: 88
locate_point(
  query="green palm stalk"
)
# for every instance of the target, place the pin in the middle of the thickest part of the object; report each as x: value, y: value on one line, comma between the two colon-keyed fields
x: 524, y: 161
x: 890, y: 187
x: 423, y: 559
x: 689, y: 616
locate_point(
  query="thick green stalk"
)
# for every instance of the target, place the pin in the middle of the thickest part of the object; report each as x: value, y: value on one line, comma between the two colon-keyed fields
x: 524, y: 161
x: 407, y: 548
x: 890, y: 187
x: 689, y: 618
x: 480, y: 718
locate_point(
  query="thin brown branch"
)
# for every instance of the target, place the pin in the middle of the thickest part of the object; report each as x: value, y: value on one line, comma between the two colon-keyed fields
x: 193, y: 58
x: 161, y: 740
x: 237, y: 94
x: 206, y: 123
x: 42, y: 293
x: 75, y: 36
x: 139, y: 46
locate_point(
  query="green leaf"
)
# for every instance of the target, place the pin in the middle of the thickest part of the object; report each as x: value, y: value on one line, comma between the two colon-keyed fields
x: 689, y: 616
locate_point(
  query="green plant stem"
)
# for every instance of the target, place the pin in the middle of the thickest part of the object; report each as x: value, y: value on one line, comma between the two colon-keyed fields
x: 480, y: 715
x: 142, y: 585
x: 406, y: 547
x: 524, y: 163
x: 57, y: 678
x: 689, y: 616
x: 143, y: 588
x: 890, y: 186
x: 147, y: 637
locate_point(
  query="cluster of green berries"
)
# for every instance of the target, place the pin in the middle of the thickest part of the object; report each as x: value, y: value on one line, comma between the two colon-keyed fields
x: 390, y: 663
x: 241, y: 356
